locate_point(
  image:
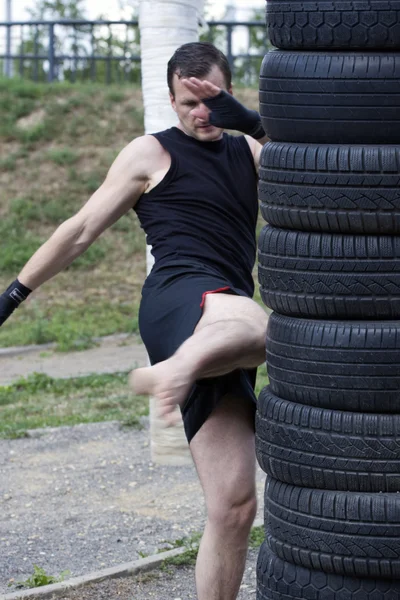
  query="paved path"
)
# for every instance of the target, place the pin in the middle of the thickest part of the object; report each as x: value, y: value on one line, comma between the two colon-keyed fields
x: 113, y: 354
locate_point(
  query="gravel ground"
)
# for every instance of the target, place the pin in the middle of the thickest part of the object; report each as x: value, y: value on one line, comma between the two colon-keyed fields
x: 88, y: 497
x: 177, y: 584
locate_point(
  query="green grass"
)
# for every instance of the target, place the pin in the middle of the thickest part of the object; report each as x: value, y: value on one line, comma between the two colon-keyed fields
x: 17, y: 244
x: 192, y: 544
x: 41, y: 401
x: 63, y: 156
x: 71, y: 327
x: 262, y: 379
x: 46, y: 176
x: 9, y: 162
x: 40, y: 578
x: 40, y: 208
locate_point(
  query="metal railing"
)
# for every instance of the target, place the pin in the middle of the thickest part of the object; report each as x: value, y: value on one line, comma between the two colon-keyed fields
x: 109, y: 51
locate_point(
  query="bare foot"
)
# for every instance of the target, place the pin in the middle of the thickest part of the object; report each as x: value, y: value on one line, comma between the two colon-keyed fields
x: 167, y: 382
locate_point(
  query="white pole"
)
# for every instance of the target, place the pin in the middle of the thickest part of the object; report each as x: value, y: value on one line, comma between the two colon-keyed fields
x: 164, y: 26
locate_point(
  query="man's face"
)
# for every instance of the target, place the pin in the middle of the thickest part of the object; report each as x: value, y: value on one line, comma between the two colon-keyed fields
x: 193, y: 115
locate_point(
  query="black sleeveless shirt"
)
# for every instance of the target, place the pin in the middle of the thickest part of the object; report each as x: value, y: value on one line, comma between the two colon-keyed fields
x: 204, y: 211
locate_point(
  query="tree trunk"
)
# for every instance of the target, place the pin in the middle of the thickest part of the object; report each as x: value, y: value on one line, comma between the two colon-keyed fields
x: 164, y: 26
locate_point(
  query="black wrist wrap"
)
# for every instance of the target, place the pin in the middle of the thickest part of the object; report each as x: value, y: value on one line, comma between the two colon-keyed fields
x: 12, y: 298
x: 229, y: 113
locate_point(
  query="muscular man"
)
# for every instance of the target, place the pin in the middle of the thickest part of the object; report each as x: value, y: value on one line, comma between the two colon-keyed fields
x: 194, y: 189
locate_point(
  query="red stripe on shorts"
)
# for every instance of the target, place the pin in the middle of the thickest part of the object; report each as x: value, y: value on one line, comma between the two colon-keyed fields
x: 203, y: 298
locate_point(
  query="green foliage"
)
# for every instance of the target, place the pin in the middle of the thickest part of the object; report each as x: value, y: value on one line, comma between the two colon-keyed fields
x: 40, y: 208
x: 215, y: 35
x: 19, y: 89
x: 247, y: 70
x: 38, y: 132
x: 188, y: 557
x: 79, y: 40
x: 57, y: 9
x: 91, y: 181
x: 262, y: 379
x: 17, y: 244
x: 40, y: 383
x: 115, y: 97
x: 63, y: 156
x: 11, y: 110
x: 40, y: 578
x: 132, y: 422
x: 41, y: 401
x: 71, y: 327
x: 257, y: 537
x: 192, y: 545
x: 9, y: 163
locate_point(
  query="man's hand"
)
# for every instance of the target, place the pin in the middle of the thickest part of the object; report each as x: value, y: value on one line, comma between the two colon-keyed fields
x: 201, y: 88
x: 226, y: 111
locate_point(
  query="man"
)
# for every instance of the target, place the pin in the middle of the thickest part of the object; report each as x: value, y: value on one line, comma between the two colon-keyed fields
x: 194, y: 189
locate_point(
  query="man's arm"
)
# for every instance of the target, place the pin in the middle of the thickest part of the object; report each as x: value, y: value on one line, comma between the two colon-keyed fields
x: 256, y: 147
x: 123, y: 186
x: 126, y: 181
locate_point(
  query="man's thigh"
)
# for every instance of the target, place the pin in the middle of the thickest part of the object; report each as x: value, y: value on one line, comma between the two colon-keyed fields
x: 221, y: 306
x: 224, y: 454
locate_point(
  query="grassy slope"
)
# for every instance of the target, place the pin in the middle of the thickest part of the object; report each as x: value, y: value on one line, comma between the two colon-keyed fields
x: 56, y: 145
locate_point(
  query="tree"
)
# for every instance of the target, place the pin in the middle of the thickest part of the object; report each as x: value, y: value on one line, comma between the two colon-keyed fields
x: 52, y: 10
x: 247, y: 69
x: 68, y: 40
x: 164, y: 26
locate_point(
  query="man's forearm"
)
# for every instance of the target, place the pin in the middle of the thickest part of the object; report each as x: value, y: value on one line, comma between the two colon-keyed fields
x: 67, y: 243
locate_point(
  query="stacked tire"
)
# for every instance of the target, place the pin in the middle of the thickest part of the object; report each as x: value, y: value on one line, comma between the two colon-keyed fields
x: 328, y: 424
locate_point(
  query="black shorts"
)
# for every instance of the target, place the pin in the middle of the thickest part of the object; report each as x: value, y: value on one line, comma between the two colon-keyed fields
x: 171, y: 306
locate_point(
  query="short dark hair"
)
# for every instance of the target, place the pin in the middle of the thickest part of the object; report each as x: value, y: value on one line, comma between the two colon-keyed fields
x: 196, y: 59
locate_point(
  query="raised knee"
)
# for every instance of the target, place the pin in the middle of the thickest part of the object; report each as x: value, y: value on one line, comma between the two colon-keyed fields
x: 236, y: 517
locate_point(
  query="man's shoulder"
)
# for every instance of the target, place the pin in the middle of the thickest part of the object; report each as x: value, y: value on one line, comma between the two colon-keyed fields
x: 146, y: 152
x: 146, y: 144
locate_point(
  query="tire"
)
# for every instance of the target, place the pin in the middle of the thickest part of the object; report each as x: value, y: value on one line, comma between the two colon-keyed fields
x: 334, y: 24
x: 326, y: 449
x: 280, y: 580
x: 335, y: 365
x: 345, y: 533
x: 329, y: 276
x: 343, y: 97
x: 343, y: 189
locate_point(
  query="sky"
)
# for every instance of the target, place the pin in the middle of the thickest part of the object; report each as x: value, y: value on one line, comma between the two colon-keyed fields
x: 216, y: 9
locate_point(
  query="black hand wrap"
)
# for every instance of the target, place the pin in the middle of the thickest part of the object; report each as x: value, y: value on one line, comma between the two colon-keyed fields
x: 12, y: 298
x: 228, y: 113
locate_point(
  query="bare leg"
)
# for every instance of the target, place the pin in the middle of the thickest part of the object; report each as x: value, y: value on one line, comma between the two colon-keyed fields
x: 221, y: 343
x: 224, y: 454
